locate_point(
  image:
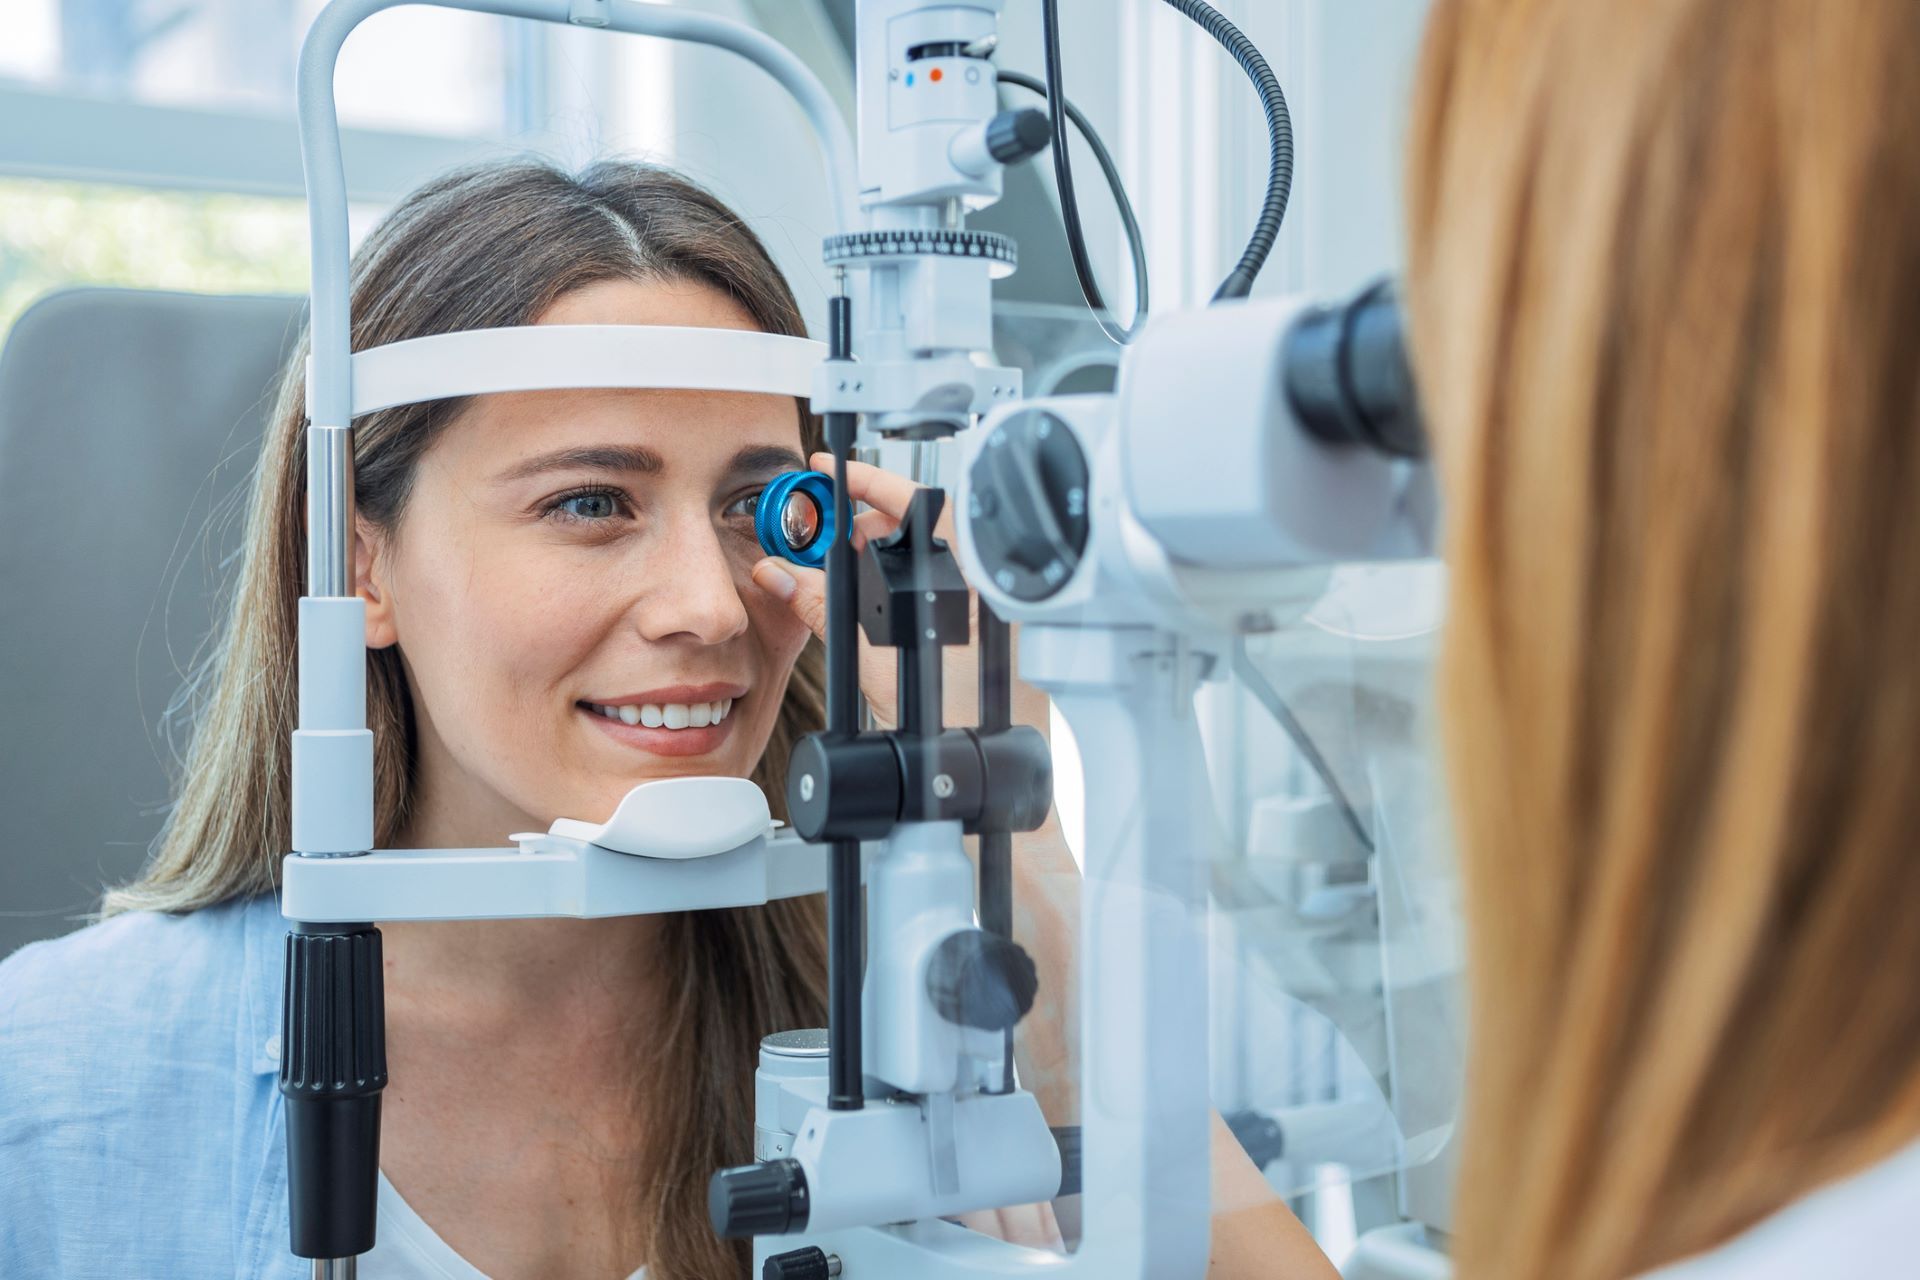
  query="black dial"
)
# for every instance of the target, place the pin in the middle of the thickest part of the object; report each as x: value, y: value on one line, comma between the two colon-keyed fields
x: 1028, y: 505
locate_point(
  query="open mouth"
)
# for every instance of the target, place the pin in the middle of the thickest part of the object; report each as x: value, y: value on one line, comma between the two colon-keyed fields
x: 672, y: 722
x: 665, y: 715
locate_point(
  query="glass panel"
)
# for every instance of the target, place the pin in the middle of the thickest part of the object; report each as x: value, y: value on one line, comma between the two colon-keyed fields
x: 414, y: 69
x: 1337, y: 997
x: 54, y: 234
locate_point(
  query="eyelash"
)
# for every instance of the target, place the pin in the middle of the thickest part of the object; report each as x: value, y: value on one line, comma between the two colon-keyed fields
x: 556, y: 509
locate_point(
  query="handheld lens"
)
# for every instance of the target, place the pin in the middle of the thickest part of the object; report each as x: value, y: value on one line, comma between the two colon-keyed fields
x: 794, y: 518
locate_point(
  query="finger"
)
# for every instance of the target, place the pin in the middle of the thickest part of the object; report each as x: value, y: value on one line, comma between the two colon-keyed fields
x: 869, y: 525
x: 880, y: 489
x: 804, y: 590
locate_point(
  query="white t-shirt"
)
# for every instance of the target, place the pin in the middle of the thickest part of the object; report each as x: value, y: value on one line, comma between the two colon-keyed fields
x: 1857, y: 1229
x: 408, y: 1249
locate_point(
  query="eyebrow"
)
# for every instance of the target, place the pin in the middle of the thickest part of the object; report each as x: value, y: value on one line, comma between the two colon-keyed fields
x: 761, y: 459
x: 638, y: 460
x: 631, y: 459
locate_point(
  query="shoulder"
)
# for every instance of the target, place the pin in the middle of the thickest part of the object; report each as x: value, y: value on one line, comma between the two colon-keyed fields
x: 130, y: 1089
x: 1859, y: 1226
x: 137, y: 977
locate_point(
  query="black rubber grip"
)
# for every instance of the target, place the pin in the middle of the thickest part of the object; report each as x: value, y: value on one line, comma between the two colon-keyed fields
x: 333, y: 1065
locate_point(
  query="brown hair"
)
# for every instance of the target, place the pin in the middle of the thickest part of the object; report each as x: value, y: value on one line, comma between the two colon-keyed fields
x: 480, y: 248
x: 1665, y: 273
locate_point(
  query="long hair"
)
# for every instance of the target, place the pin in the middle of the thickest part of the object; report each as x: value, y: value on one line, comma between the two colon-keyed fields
x: 1665, y: 272
x: 481, y: 248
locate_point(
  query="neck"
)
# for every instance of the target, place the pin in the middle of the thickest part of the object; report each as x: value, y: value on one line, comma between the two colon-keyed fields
x: 557, y: 982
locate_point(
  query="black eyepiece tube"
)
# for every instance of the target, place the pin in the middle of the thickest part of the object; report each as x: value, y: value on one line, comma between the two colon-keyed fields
x: 1348, y: 379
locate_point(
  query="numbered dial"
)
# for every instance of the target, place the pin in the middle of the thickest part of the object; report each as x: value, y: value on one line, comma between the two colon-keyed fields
x: 1028, y: 505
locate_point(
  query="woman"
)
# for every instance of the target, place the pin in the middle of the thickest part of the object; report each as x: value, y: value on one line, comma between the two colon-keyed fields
x: 1665, y: 276
x: 541, y: 572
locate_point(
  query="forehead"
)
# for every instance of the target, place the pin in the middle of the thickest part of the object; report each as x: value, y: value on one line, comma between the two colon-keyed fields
x: 689, y: 430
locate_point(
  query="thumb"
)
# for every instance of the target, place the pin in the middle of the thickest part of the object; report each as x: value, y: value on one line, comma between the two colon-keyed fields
x: 803, y: 589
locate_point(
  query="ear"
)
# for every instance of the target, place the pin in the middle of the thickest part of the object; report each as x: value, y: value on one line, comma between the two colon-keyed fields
x: 371, y: 584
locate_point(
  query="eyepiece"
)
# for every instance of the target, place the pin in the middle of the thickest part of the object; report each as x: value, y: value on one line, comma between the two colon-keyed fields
x: 1348, y: 377
x: 794, y: 519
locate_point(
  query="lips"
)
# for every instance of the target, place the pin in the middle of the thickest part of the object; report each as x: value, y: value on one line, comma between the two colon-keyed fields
x: 681, y: 720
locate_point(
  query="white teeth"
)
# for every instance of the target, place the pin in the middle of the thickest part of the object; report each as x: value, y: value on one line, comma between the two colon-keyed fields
x: 672, y: 715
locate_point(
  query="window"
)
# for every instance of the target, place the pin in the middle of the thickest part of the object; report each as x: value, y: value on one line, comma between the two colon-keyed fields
x: 55, y: 234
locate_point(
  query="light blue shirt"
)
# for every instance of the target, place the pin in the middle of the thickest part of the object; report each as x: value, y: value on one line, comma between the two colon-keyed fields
x: 142, y: 1131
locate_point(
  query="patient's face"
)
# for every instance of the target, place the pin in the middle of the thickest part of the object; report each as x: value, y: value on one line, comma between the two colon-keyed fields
x: 569, y: 587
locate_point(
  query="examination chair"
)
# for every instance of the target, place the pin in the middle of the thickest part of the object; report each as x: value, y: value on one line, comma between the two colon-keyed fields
x: 129, y: 426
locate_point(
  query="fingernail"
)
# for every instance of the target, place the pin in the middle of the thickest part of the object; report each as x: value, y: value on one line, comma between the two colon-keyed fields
x: 774, y: 578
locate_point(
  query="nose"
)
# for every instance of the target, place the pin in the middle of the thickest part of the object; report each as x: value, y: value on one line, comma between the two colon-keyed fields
x: 692, y: 592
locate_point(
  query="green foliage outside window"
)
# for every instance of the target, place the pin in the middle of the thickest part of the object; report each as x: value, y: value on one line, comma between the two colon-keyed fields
x: 59, y: 234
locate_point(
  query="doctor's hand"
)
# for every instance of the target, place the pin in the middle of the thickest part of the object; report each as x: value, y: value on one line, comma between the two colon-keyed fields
x: 805, y: 591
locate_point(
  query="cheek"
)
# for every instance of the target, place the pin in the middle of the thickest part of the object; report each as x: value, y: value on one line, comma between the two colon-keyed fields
x: 779, y: 635
x: 490, y: 632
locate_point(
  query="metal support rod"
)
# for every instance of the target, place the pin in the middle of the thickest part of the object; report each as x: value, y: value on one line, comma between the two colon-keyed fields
x: 335, y: 1268
x: 996, y: 847
x: 846, y: 1090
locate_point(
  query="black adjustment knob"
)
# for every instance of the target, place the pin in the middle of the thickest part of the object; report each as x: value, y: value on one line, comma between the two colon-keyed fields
x: 810, y: 1263
x: 1028, y: 505
x: 843, y: 788
x: 980, y: 979
x: 767, y: 1199
x: 1013, y: 136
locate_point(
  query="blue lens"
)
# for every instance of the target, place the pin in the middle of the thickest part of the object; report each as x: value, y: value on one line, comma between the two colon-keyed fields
x: 794, y: 518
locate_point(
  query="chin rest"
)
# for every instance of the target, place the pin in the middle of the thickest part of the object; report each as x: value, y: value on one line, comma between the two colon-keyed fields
x: 677, y: 818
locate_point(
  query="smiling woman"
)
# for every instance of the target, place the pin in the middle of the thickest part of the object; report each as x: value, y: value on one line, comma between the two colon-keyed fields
x: 560, y: 604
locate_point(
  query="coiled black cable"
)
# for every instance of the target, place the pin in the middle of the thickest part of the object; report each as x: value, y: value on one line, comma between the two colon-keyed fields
x: 1136, y: 245
x: 1273, y: 210
x: 1069, y: 205
x: 1273, y: 101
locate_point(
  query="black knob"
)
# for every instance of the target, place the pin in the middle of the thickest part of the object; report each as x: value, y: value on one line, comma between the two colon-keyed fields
x: 1028, y: 505
x: 810, y: 1263
x: 1013, y: 136
x: 758, y: 1199
x: 980, y: 979
x: 843, y: 787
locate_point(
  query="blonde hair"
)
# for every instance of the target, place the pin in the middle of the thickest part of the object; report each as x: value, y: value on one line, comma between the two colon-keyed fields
x: 1665, y: 273
x: 480, y: 248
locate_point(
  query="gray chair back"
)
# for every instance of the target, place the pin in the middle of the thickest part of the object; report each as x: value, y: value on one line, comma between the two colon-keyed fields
x: 130, y: 422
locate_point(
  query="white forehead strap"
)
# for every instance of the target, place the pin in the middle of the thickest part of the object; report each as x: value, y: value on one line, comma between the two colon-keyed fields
x: 550, y: 357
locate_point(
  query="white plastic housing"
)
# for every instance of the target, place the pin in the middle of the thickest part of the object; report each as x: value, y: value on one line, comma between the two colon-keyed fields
x: 332, y: 749
x: 1216, y: 467
x: 894, y: 1161
x: 548, y: 876
x: 919, y: 892
x: 910, y: 112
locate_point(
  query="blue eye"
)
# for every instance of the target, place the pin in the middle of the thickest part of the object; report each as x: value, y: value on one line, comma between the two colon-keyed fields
x: 587, y: 505
x: 746, y: 506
